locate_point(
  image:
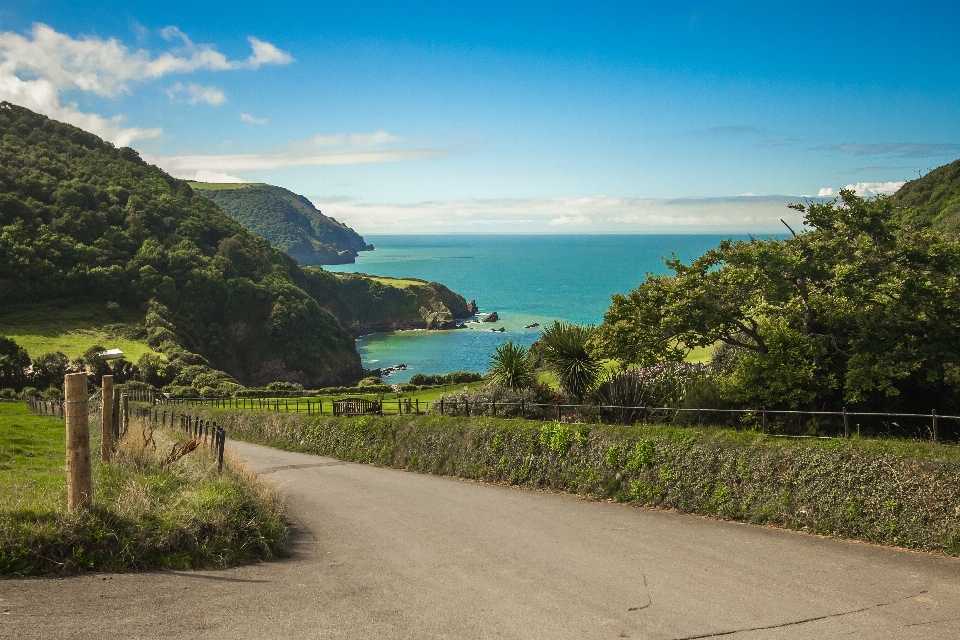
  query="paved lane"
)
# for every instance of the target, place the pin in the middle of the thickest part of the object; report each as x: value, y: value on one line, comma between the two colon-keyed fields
x: 381, y: 553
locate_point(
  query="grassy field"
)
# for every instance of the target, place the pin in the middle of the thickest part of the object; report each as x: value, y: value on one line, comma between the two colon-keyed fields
x: 32, y: 457
x: 145, y: 513
x: 73, y: 328
x: 222, y: 186
x: 398, y: 283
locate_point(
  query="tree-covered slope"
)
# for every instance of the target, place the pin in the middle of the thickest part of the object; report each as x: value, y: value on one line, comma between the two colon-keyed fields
x: 289, y: 221
x: 82, y: 219
x: 932, y: 200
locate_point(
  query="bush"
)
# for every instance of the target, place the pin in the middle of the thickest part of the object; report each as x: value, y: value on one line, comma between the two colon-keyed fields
x: 285, y: 386
x: 114, y: 312
x: 456, y: 377
x: 8, y: 393
x: 372, y: 382
x: 182, y: 392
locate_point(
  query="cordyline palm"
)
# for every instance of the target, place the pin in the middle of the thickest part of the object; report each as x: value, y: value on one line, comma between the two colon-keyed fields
x: 510, y: 367
x: 564, y: 349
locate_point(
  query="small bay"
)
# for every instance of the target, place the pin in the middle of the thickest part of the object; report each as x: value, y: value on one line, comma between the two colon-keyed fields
x: 526, y: 279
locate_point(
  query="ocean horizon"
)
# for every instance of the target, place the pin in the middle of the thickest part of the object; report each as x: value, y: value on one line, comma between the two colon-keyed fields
x: 525, y: 278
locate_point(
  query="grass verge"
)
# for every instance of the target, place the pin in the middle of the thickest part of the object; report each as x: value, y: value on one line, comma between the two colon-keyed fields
x: 902, y: 493
x: 145, y: 514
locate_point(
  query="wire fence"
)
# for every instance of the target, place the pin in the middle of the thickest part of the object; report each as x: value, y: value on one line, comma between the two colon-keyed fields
x: 202, y: 432
x: 777, y: 422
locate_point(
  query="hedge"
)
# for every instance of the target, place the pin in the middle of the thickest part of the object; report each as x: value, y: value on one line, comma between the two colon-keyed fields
x: 903, y: 493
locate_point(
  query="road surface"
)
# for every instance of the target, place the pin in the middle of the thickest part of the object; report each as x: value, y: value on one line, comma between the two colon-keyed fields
x: 382, y: 553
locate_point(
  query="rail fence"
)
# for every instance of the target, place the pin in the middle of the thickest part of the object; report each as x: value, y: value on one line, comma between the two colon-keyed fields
x: 776, y: 422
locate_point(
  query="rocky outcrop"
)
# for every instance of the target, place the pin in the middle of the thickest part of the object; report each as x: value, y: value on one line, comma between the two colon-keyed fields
x: 493, y: 317
x: 369, y: 304
x: 472, y: 308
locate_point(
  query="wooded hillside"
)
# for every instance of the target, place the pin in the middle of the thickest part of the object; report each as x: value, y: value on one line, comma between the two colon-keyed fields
x: 82, y: 219
x: 289, y: 221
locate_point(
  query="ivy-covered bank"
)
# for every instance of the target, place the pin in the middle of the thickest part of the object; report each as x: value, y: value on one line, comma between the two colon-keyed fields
x: 888, y: 492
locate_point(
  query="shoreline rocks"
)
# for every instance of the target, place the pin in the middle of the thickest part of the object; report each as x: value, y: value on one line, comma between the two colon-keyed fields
x: 491, y: 317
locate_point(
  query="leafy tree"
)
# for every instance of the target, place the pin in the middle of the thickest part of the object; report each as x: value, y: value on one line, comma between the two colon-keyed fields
x: 564, y: 349
x: 14, y: 363
x: 154, y: 371
x: 852, y: 309
x: 49, y: 370
x: 509, y: 366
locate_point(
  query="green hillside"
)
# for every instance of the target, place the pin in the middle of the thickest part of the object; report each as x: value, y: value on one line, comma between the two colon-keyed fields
x: 932, y: 200
x: 366, y: 304
x: 289, y: 221
x: 83, y: 221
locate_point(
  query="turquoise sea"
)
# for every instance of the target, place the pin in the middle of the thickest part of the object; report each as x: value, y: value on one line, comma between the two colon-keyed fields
x: 526, y: 279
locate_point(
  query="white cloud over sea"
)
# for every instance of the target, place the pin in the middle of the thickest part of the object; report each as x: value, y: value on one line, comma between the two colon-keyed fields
x: 36, y: 67
x: 319, y: 150
x: 864, y: 189
x: 595, y: 214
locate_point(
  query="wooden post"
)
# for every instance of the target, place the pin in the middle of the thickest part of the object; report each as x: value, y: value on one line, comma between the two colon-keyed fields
x: 106, y: 419
x: 764, y: 420
x: 124, y: 413
x: 79, y: 480
x: 846, y: 424
x: 936, y: 436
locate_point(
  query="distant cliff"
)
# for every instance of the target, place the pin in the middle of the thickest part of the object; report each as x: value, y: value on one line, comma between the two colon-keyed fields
x: 367, y: 304
x: 289, y: 221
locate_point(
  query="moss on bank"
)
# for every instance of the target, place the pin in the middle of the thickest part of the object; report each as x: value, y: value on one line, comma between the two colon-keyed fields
x: 888, y: 492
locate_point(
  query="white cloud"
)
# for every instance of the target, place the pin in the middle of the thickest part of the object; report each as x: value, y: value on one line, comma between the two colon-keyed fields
x: 181, y: 166
x: 826, y: 192
x: 575, y: 220
x: 42, y: 96
x: 597, y: 214
x: 197, y: 93
x: 36, y: 67
x: 345, y: 140
x: 213, y: 176
x: 868, y: 189
x: 266, y: 53
x: 246, y: 117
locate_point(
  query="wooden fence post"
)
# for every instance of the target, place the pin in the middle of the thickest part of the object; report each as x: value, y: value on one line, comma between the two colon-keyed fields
x: 846, y: 424
x: 935, y: 434
x: 106, y: 418
x: 79, y: 480
x: 124, y: 414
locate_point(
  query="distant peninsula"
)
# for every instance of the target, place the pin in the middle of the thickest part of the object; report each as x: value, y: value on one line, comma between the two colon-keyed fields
x: 288, y: 220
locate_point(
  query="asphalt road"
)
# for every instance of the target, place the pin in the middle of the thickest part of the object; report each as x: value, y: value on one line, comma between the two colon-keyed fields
x: 381, y: 553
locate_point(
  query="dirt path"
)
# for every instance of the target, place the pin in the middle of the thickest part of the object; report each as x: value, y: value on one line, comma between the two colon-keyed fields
x: 381, y: 553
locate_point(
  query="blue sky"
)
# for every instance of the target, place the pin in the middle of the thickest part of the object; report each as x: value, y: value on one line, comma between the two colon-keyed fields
x: 513, y: 116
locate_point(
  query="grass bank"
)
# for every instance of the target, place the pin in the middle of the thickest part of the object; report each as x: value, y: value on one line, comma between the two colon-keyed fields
x: 145, y: 514
x: 889, y: 492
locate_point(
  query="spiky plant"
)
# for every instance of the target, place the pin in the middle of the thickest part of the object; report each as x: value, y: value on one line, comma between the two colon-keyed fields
x: 510, y: 367
x: 563, y: 346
